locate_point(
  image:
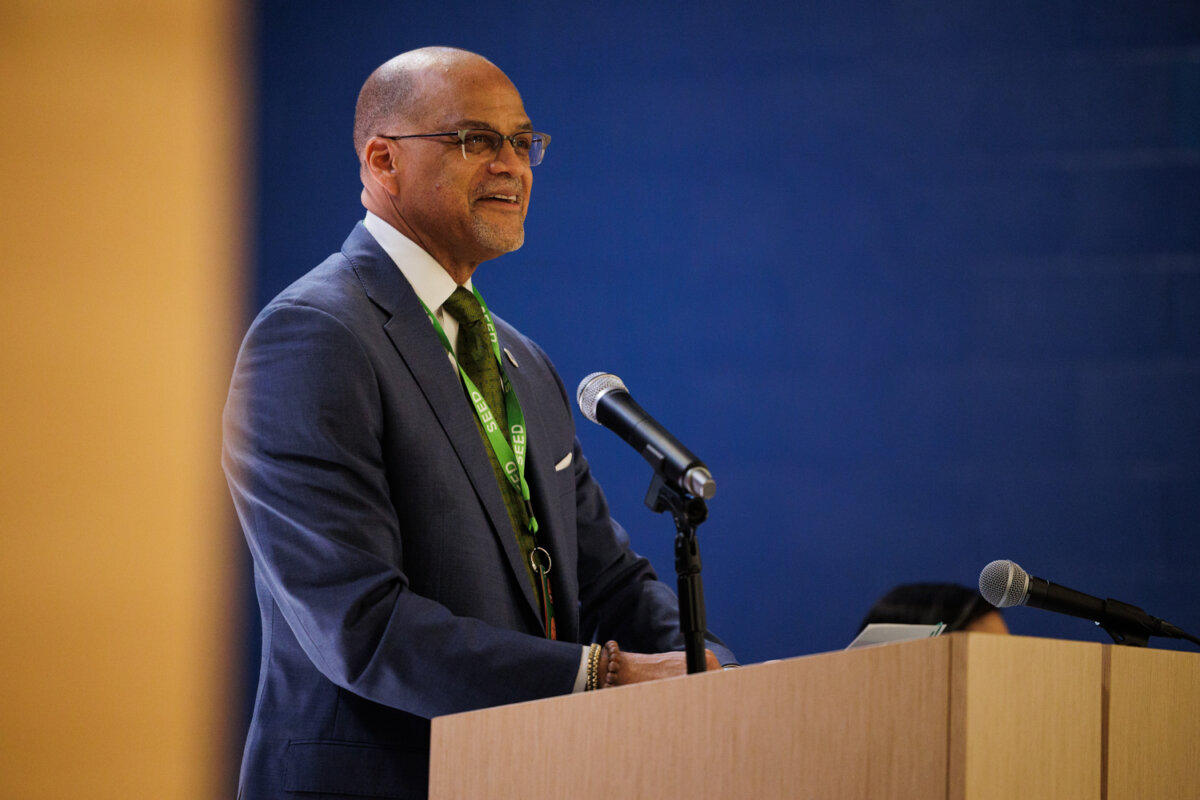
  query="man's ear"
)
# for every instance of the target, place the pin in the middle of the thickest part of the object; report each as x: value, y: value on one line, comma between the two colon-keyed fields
x: 380, y: 166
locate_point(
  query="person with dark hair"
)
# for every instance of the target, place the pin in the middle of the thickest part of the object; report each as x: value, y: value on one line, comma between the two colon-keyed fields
x: 961, y: 608
x: 426, y: 532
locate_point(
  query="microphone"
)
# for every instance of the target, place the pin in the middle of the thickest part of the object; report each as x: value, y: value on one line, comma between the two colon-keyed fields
x: 1005, y: 584
x: 603, y: 399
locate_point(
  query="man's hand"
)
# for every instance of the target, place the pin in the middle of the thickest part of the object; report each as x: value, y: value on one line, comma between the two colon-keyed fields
x: 618, y: 668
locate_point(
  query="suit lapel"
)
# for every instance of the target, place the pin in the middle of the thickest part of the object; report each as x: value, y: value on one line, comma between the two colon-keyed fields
x: 418, y: 346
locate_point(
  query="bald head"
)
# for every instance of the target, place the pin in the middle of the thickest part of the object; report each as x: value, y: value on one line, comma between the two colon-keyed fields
x: 417, y: 178
x: 392, y: 94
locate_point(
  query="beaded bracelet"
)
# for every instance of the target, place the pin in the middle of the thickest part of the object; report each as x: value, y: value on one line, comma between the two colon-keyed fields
x: 593, y: 668
x: 611, y: 675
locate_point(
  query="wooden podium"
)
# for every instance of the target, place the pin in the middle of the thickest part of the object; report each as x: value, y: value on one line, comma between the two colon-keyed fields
x: 960, y: 717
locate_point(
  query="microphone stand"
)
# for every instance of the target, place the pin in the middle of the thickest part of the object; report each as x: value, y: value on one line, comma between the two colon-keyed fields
x: 688, y: 512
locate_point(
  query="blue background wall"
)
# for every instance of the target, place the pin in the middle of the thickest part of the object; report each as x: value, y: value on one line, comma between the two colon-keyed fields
x: 919, y: 281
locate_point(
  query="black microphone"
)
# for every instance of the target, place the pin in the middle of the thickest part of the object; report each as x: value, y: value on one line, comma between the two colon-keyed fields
x: 1004, y: 584
x: 604, y: 400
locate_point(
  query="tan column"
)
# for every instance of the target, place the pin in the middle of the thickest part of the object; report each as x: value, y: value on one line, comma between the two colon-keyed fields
x: 120, y: 223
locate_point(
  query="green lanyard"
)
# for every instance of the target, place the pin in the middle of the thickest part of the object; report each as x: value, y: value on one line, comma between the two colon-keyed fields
x: 511, y: 458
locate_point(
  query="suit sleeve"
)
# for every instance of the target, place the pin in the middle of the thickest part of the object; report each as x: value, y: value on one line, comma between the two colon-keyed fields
x: 304, y: 460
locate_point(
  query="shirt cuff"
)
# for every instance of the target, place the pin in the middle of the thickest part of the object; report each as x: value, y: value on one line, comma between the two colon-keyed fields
x: 581, y: 676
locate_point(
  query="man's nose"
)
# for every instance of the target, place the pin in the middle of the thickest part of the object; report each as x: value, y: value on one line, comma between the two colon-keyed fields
x: 508, y: 160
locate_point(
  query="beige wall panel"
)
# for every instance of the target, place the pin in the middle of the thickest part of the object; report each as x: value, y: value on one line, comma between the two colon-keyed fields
x: 120, y: 195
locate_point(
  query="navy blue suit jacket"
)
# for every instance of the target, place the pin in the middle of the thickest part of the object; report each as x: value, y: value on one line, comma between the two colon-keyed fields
x: 388, y: 576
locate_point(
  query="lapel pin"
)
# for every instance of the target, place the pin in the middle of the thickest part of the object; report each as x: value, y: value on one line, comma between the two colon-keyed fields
x: 508, y: 353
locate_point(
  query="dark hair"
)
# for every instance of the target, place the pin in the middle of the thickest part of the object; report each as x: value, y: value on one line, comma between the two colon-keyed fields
x: 928, y: 604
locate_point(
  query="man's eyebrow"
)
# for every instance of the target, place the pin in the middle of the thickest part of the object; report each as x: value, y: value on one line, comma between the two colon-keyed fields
x: 478, y: 123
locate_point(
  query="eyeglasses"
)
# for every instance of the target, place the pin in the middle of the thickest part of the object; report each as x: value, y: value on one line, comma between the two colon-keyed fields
x: 530, y: 146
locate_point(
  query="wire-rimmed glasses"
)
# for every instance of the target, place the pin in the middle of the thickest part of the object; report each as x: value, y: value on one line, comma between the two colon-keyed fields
x: 530, y: 146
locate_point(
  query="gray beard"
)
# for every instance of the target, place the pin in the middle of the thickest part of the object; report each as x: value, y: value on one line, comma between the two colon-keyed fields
x: 497, y: 239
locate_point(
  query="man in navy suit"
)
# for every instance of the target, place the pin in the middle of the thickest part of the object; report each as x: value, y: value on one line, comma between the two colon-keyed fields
x: 409, y: 563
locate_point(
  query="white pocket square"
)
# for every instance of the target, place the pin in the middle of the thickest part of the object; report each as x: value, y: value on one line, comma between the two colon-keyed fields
x: 566, y: 462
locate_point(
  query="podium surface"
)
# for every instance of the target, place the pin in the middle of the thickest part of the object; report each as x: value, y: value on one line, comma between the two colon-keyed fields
x: 965, y: 716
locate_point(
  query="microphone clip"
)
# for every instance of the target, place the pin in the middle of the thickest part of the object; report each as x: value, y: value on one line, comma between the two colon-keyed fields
x: 687, y: 510
x: 1131, y: 625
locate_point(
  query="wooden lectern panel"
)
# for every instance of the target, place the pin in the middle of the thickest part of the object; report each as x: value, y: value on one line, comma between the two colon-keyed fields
x: 871, y: 723
x: 1153, y: 747
x: 963, y: 717
x: 1026, y: 718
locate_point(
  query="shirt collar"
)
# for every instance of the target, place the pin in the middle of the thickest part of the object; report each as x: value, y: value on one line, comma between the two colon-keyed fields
x: 428, y: 279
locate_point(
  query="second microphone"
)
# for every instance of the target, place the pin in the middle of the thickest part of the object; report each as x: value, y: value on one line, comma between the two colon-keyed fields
x: 603, y: 399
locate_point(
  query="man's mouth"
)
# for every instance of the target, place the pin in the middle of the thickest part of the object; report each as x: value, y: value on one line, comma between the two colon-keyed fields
x: 501, y: 198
